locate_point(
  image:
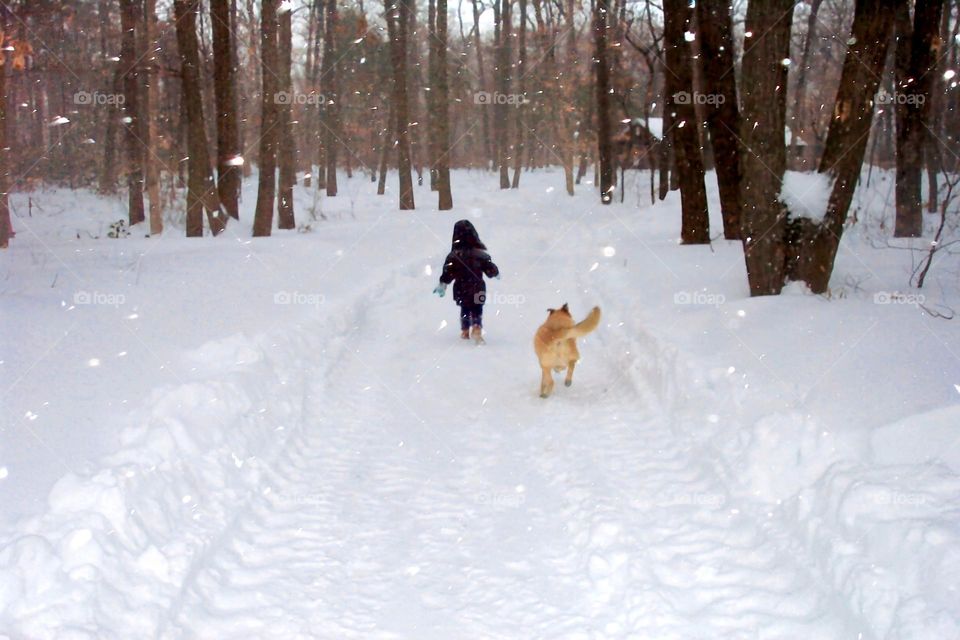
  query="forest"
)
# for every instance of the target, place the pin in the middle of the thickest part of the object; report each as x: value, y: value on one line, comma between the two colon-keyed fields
x: 174, y: 105
x: 293, y: 293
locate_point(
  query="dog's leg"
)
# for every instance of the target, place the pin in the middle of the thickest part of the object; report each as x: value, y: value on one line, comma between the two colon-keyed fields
x: 569, y: 379
x: 546, y: 382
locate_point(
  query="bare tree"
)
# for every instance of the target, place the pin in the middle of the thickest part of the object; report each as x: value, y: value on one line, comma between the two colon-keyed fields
x: 442, y: 161
x: 521, y: 127
x: 229, y: 169
x: 816, y: 243
x: 113, y: 80
x: 398, y: 20
x: 764, y: 158
x: 481, y: 76
x: 6, y: 231
x: 566, y: 129
x: 913, y: 92
x: 431, y: 90
x: 151, y: 106
x: 503, y: 88
x: 799, y: 123
x: 722, y: 113
x: 269, y: 119
x: 286, y: 149
x: 602, y: 87
x: 133, y: 136
x: 331, y: 103
x: 201, y: 190
x: 695, y: 228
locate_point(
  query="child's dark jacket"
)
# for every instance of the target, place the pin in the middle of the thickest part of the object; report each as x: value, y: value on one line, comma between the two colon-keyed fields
x: 466, y: 264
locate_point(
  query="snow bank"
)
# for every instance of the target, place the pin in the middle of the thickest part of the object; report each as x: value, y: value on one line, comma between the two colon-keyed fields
x: 112, y: 553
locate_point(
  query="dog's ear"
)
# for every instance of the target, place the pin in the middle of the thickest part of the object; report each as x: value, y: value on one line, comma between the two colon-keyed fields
x: 551, y: 310
x: 565, y: 307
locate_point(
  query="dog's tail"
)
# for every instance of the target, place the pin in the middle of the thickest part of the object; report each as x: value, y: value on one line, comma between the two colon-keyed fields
x: 588, y: 324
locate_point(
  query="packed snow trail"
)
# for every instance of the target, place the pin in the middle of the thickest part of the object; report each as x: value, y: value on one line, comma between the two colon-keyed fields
x: 430, y: 493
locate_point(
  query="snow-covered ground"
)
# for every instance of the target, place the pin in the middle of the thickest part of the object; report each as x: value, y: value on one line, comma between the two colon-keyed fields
x: 285, y: 437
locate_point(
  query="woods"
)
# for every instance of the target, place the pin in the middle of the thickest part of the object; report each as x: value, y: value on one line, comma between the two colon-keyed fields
x: 286, y: 286
x: 182, y: 101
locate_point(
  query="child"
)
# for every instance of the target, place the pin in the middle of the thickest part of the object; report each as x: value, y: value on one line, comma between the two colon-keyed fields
x: 465, y: 266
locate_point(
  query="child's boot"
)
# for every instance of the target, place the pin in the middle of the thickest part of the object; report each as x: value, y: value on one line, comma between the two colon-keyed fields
x: 465, y: 334
x: 476, y: 332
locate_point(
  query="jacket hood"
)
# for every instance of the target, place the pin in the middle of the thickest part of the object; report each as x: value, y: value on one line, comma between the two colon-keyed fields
x: 465, y: 236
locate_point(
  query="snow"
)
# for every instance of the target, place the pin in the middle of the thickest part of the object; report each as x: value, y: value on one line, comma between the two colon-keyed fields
x: 806, y: 194
x: 655, y: 125
x: 285, y: 437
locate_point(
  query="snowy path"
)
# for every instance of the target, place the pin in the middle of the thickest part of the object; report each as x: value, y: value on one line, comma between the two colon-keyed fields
x: 297, y: 444
x: 430, y: 494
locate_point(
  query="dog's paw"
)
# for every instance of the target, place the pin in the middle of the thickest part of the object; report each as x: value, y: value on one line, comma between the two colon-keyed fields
x: 567, y: 383
x: 544, y: 395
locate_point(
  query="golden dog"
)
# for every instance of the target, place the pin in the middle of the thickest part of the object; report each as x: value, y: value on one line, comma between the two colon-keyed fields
x: 556, y: 344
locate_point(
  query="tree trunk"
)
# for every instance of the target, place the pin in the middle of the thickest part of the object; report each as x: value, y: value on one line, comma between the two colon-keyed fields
x: 320, y: 84
x: 722, y: 113
x: 112, y: 84
x: 129, y: 18
x: 664, y: 151
x: 914, y: 93
x: 331, y: 96
x: 267, y: 182
x: 485, y: 112
x: 799, y: 105
x: 521, y: 128
x: 503, y: 88
x: 385, y: 147
x: 431, y: 92
x: 229, y: 156
x: 817, y: 244
x: 445, y: 197
x: 764, y: 159
x: 567, y: 114
x: 397, y: 22
x: 287, y: 149
x: 418, y: 150
x: 201, y: 190
x: 6, y: 230
x: 151, y: 106
x: 602, y: 87
x: 695, y: 228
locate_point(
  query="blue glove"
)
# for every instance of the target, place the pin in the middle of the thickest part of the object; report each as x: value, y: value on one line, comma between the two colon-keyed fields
x: 440, y: 289
x: 497, y: 276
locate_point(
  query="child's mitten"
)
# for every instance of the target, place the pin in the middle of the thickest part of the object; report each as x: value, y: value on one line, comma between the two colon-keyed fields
x: 440, y: 289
